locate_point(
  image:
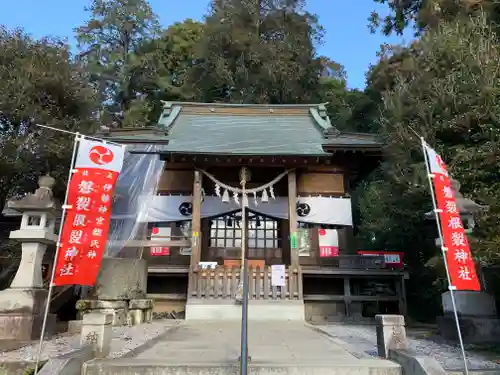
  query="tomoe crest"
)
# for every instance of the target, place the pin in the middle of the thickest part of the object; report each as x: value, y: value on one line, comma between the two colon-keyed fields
x: 101, y: 155
x: 186, y: 209
x: 303, y: 209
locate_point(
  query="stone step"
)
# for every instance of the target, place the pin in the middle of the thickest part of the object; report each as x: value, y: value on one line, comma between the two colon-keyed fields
x: 328, y: 367
x: 487, y: 371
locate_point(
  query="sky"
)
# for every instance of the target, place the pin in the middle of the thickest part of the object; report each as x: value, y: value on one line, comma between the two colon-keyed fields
x: 348, y: 40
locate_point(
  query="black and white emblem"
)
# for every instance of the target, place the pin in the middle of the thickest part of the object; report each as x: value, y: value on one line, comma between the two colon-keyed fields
x: 186, y: 208
x: 303, y: 209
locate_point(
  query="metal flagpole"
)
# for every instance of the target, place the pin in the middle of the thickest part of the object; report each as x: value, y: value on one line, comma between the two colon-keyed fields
x: 63, y: 217
x: 243, y: 181
x: 243, y: 222
x: 81, y: 135
x: 244, y: 276
x: 430, y: 176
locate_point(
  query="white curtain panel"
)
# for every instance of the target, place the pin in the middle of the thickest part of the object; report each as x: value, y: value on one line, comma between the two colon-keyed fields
x: 319, y: 210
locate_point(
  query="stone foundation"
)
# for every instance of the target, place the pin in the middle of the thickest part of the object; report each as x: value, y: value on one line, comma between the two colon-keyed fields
x: 475, y: 330
x: 469, y: 303
x: 258, y: 310
x: 133, y: 312
x: 20, y: 301
x: 334, y: 311
x: 140, y: 311
x: 324, y: 311
x: 164, y: 306
x: 477, y: 317
x: 120, y: 292
x: 25, y: 327
x: 21, y: 314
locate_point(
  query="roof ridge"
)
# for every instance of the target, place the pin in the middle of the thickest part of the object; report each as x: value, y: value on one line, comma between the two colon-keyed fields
x: 169, y: 104
x: 321, y: 118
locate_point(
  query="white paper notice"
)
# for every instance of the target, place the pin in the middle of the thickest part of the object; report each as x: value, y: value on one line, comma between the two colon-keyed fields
x: 278, y: 275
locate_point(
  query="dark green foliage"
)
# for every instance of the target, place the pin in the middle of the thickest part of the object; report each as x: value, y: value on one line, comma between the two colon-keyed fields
x: 108, y: 43
x: 424, y: 14
x: 39, y: 83
x: 258, y: 52
x: 445, y: 85
x: 448, y: 92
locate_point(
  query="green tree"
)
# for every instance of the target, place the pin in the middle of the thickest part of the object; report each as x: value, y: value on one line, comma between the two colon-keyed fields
x: 421, y: 14
x: 39, y: 83
x: 108, y: 42
x: 258, y: 51
x: 165, y: 62
x: 449, y: 93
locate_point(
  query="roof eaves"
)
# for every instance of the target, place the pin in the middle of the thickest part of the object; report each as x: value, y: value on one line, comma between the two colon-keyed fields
x: 332, y: 147
x: 243, y: 154
x: 191, y: 104
x: 140, y: 141
x: 363, y: 135
x: 130, y: 131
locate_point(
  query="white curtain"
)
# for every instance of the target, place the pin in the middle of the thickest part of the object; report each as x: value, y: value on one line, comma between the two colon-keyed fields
x: 319, y: 210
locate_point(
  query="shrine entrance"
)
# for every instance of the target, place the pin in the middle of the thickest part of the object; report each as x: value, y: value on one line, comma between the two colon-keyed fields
x: 266, y: 237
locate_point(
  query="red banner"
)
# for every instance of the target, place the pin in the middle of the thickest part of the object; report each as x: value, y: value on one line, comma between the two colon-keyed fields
x: 86, y: 225
x: 328, y: 243
x: 455, y: 245
x: 160, y: 233
x: 159, y: 251
x: 328, y: 251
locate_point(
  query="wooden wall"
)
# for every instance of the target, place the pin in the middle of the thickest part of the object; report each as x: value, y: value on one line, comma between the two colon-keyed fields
x: 320, y: 180
x: 177, y: 179
x: 327, y: 180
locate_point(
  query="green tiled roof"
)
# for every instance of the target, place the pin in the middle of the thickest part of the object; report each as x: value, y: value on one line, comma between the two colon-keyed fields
x: 244, y: 130
x: 246, y: 135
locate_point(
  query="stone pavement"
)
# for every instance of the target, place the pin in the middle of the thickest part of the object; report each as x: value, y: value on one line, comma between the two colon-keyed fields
x: 214, y: 347
x: 278, y: 342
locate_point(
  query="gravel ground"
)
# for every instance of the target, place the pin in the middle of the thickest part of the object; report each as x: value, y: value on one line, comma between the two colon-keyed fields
x: 362, y: 339
x: 124, y: 339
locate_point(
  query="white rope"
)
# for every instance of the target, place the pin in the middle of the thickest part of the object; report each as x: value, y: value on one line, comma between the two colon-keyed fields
x: 247, y: 191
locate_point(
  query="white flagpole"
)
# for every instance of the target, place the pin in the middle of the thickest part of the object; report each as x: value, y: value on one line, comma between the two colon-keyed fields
x: 430, y: 176
x: 63, y: 217
x: 75, y: 134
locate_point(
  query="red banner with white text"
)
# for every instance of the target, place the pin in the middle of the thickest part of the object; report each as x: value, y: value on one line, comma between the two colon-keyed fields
x: 458, y: 255
x: 86, y: 225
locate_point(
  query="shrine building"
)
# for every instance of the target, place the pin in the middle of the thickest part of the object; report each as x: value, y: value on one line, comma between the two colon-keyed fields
x: 179, y: 206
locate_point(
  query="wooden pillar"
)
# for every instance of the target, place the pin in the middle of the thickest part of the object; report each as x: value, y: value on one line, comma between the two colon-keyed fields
x: 285, y: 242
x: 401, y: 292
x: 347, y: 296
x: 292, y: 218
x: 196, y: 221
x: 205, y: 241
x: 349, y: 240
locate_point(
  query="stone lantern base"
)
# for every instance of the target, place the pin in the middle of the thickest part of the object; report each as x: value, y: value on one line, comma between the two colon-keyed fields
x: 120, y: 291
x: 21, y: 315
x: 477, y: 317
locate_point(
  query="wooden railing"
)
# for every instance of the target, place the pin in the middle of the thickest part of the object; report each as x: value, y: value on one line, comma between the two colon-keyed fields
x: 361, y: 261
x: 222, y: 283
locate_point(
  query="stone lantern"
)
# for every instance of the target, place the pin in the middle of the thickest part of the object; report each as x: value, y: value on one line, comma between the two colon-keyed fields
x: 22, y: 305
x: 477, y: 310
x: 466, y: 207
